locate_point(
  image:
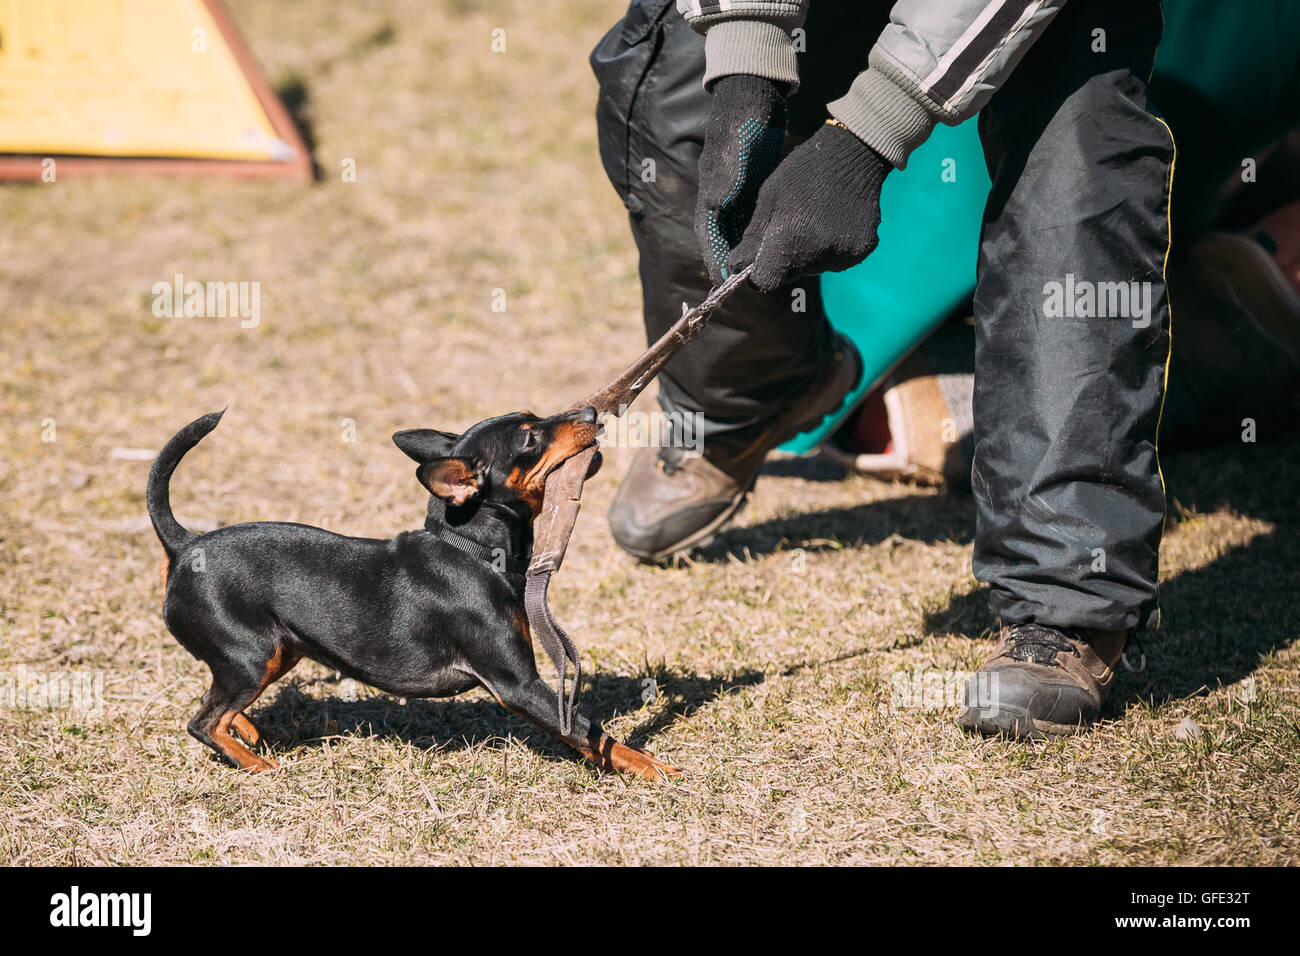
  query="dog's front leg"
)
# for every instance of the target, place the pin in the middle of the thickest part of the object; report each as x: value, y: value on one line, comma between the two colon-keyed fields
x: 534, y: 700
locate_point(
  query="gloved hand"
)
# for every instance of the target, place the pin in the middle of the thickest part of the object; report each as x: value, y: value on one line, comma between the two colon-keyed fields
x: 817, y: 213
x: 742, y: 145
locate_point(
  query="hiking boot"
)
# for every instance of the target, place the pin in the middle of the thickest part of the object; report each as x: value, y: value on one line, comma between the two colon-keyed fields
x: 1042, y: 682
x: 673, y: 501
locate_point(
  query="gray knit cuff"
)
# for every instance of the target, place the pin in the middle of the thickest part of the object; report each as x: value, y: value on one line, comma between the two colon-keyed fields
x: 883, y: 116
x: 755, y: 47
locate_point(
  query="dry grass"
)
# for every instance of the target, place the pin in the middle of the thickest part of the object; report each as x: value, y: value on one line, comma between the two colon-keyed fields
x: 773, y: 655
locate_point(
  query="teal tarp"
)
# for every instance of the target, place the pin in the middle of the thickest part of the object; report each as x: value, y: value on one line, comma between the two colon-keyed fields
x: 924, y: 266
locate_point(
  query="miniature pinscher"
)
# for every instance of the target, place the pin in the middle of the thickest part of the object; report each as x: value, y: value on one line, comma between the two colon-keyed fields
x: 430, y: 613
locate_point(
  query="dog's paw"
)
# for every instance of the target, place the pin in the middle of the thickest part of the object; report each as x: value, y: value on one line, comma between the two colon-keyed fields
x: 616, y: 756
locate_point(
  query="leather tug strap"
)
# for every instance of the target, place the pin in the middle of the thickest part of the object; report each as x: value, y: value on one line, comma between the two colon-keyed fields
x: 563, y: 495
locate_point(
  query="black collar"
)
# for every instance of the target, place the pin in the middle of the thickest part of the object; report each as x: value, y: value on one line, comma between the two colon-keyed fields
x: 476, y: 549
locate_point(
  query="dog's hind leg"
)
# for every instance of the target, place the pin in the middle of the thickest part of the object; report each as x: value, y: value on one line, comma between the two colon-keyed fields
x: 235, y: 687
x: 281, y: 662
x: 211, y: 725
x: 246, y: 729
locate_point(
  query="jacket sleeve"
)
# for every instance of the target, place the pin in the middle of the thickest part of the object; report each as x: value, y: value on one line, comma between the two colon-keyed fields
x: 937, y: 62
x: 747, y: 36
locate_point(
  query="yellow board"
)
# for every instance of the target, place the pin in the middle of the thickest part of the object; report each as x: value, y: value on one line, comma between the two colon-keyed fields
x: 126, y: 78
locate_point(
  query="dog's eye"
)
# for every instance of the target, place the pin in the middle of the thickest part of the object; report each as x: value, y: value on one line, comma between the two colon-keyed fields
x: 530, y: 439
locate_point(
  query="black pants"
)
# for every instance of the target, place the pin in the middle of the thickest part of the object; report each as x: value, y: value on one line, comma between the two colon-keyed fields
x: 1070, y: 501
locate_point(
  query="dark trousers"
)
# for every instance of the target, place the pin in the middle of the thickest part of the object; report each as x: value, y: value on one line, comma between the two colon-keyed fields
x: 1070, y: 501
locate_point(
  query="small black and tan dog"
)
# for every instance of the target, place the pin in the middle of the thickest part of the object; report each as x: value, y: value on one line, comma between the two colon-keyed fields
x: 429, y: 613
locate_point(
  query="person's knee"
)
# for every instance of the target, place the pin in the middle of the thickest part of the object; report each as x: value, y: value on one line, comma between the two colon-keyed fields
x: 652, y: 107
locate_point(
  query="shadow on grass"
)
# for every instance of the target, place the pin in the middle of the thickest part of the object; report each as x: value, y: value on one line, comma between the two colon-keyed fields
x: 929, y: 518
x: 1219, y: 621
x: 295, y: 719
x: 296, y: 97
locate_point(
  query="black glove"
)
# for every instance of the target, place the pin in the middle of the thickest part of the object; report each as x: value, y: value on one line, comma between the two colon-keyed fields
x: 817, y: 213
x: 742, y: 145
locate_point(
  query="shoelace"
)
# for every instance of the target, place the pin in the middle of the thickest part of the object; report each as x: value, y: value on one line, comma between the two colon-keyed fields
x: 1034, y: 643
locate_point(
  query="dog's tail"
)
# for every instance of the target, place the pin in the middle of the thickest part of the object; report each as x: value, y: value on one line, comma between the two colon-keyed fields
x: 157, y: 496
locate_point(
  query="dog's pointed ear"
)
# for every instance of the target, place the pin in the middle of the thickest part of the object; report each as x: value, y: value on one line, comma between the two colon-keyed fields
x: 451, y: 479
x: 425, y: 444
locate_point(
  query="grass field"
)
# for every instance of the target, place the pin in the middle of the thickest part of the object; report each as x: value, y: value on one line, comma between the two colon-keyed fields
x: 766, y: 668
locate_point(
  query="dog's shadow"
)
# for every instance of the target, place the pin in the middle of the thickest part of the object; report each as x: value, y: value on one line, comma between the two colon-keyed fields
x: 296, y: 719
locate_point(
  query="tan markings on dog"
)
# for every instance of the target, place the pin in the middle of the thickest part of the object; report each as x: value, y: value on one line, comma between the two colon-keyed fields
x: 613, y: 755
x: 232, y: 748
x: 610, y: 754
x: 165, y: 569
x: 246, y: 729
x: 531, y: 495
x: 570, y: 439
x: 521, y: 626
x: 281, y: 662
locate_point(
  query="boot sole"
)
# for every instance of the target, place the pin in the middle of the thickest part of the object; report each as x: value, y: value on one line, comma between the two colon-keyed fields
x: 1018, y: 725
x: 700, y: 539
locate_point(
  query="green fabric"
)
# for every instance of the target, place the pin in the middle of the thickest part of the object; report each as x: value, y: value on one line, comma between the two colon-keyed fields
x: 923, y: 268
